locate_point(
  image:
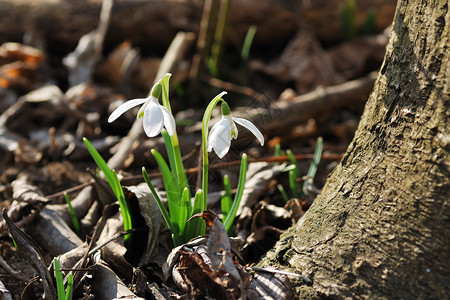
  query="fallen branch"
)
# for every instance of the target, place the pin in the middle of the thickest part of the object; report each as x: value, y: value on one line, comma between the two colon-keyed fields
x: 279, y: 116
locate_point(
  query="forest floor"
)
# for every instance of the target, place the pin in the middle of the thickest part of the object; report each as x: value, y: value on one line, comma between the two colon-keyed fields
x: 294, y: 94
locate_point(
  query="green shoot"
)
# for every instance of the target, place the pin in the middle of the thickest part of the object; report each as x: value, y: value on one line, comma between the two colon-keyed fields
x: 175, y: 237
x: 196, y: 227
x: 248, y: 43
x: 293, y: 183
x: 369, y: 25
x: 294, y: 176
x: 59, y: 280
x: 237, y: 198
x: 277, y: 150
x: 76, y: 224
x: 69, y: 289
x: 246, y: 51
x: 172, y: 190
x: 114, y: 183
x: 313, y: 167
x: 226, y: 201
x: 216, y: 48
x: 349, y: 28
x: 283, y: 192
x: 294, y: 173
x: 63, y: 294
x: 347, y: 13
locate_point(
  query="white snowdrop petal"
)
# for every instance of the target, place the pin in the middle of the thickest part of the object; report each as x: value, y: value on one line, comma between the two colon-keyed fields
x: 223, y: 142
x: 249, y: 125
x: 169, y: 120
x: 212, y: 135
x: 141, y: 110
x: 220, y: 138
x: 124, y: 107
x: 153, y: 119
x: 210, y: 140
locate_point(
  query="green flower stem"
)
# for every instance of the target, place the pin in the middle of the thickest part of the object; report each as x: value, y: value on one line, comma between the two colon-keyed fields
x: 205, y: 121
x: 179, y: 168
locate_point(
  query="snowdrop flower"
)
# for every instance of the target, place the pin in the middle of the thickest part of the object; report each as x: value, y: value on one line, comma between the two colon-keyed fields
x: 154, y: 115
x: 223, y: 131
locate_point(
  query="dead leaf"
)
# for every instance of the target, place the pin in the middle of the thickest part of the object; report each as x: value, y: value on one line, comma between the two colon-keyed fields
x: 258, y: 177
x: 304, y: 62
x: 16, y: 51
x: 153, y: 219
x: 272, y: 286
x: 119, y: 64
x: 33, y: 254
x: 351, y: 59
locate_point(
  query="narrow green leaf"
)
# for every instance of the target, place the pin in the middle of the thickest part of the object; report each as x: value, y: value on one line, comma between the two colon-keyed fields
x: 165, y: 214
x: 173, y: 194
x: 99, y: 161
x: 295, y: 186
x: 226, y: 202
x: 181, y: 174
x: 185, y: 209
x: 196, y: 227
x: 277, y: 150
x: 69, y: 288
x: 293, y: 162
x: 59, y: 280
x: 76, y: 224
x: 126, y: 215
x: 237, y: 198
x: 247, y: 43
x: 114, y: 183
x: 171, y: 155
x: 283, y: 192
x: 293, y: 183
x: 313, y: 167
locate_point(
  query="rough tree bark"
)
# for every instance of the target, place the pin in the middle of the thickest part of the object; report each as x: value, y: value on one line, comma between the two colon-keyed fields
x: 380, y: 228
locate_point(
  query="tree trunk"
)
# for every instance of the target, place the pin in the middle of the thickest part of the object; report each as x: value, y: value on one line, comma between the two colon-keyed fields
x: 380, y: 228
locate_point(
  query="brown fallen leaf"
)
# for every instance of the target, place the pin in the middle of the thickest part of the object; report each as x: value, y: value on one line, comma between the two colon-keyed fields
x: 17, y: 51
x: 33, y: 253
x: 272, y: 286
x: 207, y: 267
x: 304, y: 62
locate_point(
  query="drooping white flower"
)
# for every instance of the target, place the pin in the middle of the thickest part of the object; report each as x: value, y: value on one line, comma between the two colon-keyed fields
x: 154, y: 115
x: 225, y: 130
